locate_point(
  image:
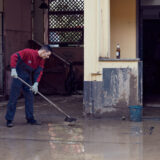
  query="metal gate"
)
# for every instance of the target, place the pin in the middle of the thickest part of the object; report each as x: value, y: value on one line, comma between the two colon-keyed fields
x: 66, y: 21
x: 1, y: 55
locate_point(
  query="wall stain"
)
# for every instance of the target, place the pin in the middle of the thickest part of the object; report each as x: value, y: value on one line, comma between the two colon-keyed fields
x: 112, y: 96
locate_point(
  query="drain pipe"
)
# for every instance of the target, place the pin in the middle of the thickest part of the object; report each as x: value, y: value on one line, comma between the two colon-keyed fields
x: 93, y: 79
x: 92, y: 98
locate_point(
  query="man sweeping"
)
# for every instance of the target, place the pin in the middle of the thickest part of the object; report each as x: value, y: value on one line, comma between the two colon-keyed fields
x: 25, y: 64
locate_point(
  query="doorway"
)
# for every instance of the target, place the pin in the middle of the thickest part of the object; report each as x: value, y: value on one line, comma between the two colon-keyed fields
x: 151, y: 62
x: 151, y: 57
x: 63, y: 74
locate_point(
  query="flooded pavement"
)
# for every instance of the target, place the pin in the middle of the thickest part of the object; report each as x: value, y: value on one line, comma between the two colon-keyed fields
x: 87, y: 139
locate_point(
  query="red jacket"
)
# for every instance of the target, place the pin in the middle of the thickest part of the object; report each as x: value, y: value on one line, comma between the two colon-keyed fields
x: 31, y: 60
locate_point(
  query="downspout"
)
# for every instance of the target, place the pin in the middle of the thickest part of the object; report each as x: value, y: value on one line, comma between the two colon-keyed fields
x: 94, y: 79
x: 92, y: 98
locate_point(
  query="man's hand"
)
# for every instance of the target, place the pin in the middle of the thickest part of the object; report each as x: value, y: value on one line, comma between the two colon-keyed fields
x: 34, y: 88
x: 14, y: 73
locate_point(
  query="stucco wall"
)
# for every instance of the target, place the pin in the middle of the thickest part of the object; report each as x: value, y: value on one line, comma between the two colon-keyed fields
x: 123, y: 31
x: 120, y: 87
x: 110, y: 86
x: 123, y: 27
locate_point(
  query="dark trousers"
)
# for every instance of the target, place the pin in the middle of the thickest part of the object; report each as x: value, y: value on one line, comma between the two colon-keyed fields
x: 16, y: 87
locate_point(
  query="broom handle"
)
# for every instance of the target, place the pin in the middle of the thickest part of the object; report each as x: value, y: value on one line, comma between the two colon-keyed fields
x: 49, y: 101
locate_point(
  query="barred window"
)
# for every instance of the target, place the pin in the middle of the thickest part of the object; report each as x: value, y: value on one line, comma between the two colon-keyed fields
x: 66, y: 21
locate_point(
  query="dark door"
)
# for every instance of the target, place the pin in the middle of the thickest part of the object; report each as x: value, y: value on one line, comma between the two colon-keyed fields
x: 151, y: 58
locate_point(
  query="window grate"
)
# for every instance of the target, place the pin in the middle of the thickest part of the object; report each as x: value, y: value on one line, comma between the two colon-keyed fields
x: 66, y: 37
x: 66, y: 21
x: 66, y: 5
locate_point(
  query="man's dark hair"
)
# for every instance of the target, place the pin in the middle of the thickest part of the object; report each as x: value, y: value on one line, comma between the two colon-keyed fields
x: 47, y: 48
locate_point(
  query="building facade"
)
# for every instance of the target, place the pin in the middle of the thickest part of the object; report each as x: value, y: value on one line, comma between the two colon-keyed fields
x: 110, y: 84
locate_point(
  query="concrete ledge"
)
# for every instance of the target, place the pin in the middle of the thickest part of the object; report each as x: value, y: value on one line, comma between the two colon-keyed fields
x: 119, y: 60
x: 111, y: 96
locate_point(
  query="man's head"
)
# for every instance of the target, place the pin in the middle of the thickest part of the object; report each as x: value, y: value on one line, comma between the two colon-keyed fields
x: 45, y: 51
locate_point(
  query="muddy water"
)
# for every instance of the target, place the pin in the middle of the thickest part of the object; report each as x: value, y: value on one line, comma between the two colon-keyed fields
x: 87, y: 139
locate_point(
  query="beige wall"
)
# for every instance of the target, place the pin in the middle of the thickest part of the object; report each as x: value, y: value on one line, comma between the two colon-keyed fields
x: 123, y: 31
x: 103, y: 19
x: 90, y: 38
x: 123, y: 27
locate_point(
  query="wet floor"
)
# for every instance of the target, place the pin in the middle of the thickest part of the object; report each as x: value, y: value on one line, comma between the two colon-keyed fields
x: 87, y: 139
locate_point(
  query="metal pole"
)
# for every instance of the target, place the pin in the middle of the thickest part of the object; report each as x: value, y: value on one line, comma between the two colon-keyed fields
x: 49, y: 101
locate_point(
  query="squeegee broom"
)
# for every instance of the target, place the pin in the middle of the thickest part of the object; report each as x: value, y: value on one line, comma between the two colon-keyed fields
x: 67, y: 118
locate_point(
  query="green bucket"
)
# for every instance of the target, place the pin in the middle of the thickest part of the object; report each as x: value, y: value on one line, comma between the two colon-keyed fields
x: 135, y: 113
